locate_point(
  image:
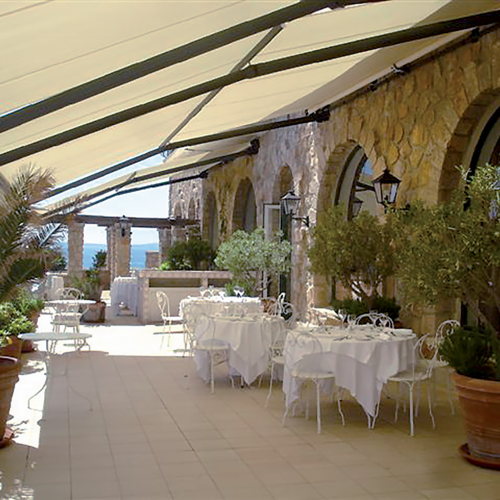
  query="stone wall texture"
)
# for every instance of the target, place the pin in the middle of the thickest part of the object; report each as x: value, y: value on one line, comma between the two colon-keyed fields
x: 419, y: 125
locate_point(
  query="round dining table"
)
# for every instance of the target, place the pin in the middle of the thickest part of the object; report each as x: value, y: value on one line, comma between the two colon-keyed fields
x: 361, y: 358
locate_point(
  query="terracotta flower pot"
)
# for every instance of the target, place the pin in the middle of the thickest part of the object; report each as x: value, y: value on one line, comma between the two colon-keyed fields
x: 480, y: 403
x: 9, y: 375
x: 13, y: 349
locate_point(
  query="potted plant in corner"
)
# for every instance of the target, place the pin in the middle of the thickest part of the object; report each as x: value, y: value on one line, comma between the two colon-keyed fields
x: 250, y: 257
x: 452, y: 251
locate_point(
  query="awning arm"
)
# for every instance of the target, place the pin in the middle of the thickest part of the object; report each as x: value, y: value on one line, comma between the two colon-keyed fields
x: 319, y: 116
x: 255, y: 71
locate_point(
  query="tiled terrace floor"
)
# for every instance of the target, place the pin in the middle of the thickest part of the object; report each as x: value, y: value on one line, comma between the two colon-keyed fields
x: 156, y: 432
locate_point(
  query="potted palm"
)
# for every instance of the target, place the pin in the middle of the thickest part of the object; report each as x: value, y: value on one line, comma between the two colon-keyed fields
x: 28, y: 247
x: 452, y: 251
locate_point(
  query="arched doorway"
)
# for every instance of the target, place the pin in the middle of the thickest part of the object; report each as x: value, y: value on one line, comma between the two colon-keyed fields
x: 245, y: 210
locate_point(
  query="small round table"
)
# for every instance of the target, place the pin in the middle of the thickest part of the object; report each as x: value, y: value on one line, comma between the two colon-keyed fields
x: 51, y: 339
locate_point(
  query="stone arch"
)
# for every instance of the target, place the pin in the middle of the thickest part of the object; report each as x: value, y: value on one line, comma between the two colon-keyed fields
x: 245, y: 209
x: 466, y: 140
x: 178, y: 209
x: 283, y: 183
x: 211, y: 220
x: 191, y: 210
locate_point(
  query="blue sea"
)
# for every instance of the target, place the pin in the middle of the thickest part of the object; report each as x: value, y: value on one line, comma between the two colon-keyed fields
x: 137, y: 254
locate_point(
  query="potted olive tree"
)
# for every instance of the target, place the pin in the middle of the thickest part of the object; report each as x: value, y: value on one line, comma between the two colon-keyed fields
x: 250, y: 257
x: 452, y: 251
x: 357, y: 253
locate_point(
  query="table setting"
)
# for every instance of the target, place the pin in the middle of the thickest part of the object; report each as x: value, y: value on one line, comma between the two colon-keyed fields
x: 361, y: 357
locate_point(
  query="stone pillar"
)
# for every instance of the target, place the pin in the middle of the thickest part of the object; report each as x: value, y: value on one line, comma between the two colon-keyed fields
x: 123, y: 240
x: 165, y: 242
x: 111, y: 256
x: 178, y: 234
x: 75, y: 247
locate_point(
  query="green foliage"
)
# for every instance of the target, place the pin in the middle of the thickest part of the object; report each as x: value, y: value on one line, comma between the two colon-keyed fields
x: 452, y: 250
x: 250, y: 256
x: 188, y: 255
x: 90, y: 283
x: 28, y: 242
x: 229, y: 287
x: 12, y: 321
x: 99, y: 259
x: 358, y: 253
x: 472, y: 352
x: 59, y: 264
x: 26, y: 303
x: 354, y: 307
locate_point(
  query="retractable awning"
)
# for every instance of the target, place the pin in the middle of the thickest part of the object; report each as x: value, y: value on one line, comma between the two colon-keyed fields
x: 50, y: 47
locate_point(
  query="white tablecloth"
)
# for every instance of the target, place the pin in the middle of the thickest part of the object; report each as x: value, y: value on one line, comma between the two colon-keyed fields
x: 359, y: 364
x: 124, y: 289
x: 192, y: 308
x: 248, y: 340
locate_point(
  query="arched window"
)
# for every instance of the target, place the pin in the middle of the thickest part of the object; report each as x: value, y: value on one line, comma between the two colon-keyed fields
x: 355, y: 182
x: 245, y: 210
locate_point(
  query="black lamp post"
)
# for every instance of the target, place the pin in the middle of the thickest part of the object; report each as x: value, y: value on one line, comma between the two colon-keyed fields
x: 386, y: 188
x: 290, y: 203
x: 124, y: 222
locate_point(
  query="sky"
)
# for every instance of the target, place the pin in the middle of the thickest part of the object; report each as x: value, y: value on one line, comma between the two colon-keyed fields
x: 147, y: 203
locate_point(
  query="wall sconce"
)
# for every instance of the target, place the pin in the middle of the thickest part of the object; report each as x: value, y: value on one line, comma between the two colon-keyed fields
x: 124, y: 225
x: 385, y: 187
x: 290, y: 203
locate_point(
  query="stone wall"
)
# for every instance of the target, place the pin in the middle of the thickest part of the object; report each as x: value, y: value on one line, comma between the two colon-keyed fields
x: 419, y: 125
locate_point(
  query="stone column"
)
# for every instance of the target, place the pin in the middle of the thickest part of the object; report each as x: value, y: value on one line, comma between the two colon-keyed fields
x: 165, y: 242
x: 75, y: 247
x: 111, y: 255
x: 123, y: 239
x: 178, y: 234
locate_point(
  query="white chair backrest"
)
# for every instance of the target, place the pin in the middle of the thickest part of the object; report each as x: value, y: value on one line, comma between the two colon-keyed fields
x: 289, y: 314
x: 163, y: 304
x: 308, y: 345
x: 71, y: 294
x: 421, y: 360
x: 365, y: 319
x: 446, y: 327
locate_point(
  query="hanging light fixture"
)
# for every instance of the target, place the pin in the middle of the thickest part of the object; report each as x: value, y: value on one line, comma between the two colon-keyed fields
x: 290, y: 204
x: 124, y: 224
x: 386, y: 188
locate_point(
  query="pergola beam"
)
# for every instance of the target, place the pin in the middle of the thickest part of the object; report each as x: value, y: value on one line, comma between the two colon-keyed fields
x: 255, y: 71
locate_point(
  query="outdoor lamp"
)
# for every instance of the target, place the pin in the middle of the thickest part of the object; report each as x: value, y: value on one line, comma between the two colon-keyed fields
x: 386, y: 188
x: 356, y: 205
x: 124, y: 221
x: 290, y: 203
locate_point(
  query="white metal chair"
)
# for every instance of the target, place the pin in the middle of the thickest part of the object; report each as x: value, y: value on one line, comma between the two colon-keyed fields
x: 68, y: 315
x: 432, y: 345
x: 276, y: 359
x: 302, y: 374
x: 168, y: 319
x: 214, y: 348
x: 420, y: 371
x: 375, y: 319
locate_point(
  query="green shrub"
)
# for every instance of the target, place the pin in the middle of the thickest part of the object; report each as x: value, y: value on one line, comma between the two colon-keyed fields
x: 188, y: 255
x: 352, y: 307
x: 473, y: 352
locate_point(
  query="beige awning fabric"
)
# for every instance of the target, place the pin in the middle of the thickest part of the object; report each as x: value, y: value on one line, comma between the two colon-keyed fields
x: 49, y: 46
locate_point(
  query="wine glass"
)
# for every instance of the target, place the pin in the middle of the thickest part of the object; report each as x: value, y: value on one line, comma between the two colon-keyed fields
x: 238, y: 290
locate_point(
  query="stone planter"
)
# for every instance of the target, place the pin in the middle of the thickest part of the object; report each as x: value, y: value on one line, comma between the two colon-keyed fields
x: 95, y: 313
x: 480, y: 403
x: 9, y: 375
